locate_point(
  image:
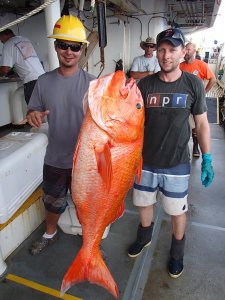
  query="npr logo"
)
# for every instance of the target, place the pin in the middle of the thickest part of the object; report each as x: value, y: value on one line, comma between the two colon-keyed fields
x: 175, y: 100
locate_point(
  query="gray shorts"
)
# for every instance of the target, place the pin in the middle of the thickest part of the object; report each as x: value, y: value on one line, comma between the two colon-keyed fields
x: 56, y: 183
x: 170, y: 185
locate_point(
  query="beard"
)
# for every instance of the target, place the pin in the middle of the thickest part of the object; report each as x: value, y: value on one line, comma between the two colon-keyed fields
x: 170, y: 68
x: 68, y: 61
x: 187, y: 57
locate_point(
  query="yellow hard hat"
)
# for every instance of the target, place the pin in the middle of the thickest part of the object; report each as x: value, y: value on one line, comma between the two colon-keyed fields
x: 69, y: 28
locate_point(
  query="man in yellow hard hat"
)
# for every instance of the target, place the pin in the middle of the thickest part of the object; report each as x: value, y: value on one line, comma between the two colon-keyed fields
x: 59, y: 96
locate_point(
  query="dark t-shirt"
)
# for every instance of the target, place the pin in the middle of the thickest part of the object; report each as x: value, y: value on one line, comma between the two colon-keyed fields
x: 167, y: 109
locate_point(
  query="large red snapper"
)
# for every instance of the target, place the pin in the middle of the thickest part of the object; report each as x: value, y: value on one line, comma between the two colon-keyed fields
x: 106, y: 159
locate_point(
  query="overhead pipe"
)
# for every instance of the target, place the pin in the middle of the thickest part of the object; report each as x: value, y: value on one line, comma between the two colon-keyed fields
x: 52, y: 14
x: 65, y: 10
x: 81, y: 8
x: 194, y: 12
x: 154, y: 17
x: 28, y: 15
x: 101, y: 18
x: 92, y: 6
x: 141, y: 26
x: 81, y: 5
x: 203, y: 12
x: 189, y: 11
x: 194, y: 8
x: 182, y: 7
x: 100, y: 7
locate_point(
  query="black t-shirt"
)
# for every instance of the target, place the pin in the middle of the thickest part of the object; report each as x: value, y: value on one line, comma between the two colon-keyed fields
x: 167, y: 109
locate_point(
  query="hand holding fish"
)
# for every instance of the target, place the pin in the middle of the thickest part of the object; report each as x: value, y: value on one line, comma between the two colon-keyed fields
x: 35, y: 118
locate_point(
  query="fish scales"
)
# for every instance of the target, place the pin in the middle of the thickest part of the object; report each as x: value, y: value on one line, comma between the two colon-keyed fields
x: 106, y: 160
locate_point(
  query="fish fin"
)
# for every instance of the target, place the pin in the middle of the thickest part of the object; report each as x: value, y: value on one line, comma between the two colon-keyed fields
x: 91, y: 268
x: 104, y: 163
x: 139, y: 169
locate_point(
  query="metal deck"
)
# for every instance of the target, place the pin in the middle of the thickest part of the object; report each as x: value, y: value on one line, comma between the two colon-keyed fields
x: 48, y: 268
x: 39, y: 277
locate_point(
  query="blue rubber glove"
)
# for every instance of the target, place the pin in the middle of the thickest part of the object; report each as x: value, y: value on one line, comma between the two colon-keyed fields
x: 207, y: 170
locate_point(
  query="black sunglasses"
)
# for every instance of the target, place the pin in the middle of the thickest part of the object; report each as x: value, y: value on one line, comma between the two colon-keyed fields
x: 172, y: 33
x: 149, y: 46
x: 65, y: 46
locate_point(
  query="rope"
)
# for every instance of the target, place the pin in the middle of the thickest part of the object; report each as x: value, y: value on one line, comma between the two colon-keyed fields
x: 26, y: 16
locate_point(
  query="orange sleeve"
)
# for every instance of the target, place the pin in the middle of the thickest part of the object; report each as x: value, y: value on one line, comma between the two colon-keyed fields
x: 207, y: 73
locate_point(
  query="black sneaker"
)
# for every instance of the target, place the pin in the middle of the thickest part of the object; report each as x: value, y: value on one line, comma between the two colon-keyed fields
x: 137, y: 248
x: 38, y: 246
x: 175, y: 267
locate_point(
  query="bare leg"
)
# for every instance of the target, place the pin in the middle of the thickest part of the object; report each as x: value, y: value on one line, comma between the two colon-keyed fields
x: 51, y: 222
x: 146, y: 215
x: 178, y: 226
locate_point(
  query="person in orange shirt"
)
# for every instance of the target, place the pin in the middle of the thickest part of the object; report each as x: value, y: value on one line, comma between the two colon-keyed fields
x: 201, y: 70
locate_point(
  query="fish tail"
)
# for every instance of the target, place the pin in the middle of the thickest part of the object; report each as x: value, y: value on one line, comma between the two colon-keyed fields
x: 92, y: 269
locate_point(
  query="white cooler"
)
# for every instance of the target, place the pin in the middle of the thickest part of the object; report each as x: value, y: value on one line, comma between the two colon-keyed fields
x: 21, y: 169
x: 69, y: 223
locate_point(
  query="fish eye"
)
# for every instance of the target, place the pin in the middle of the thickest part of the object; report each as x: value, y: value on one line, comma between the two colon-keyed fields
x: 138, y: 105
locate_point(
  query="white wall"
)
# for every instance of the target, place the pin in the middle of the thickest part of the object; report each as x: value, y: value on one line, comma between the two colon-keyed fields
x: 34, y: 29
x: 123, y: 37
x: 113, y: 51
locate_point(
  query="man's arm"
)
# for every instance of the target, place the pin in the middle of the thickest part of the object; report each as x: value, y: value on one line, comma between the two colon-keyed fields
x: 203, y: 132
x: 136, y: 71
x: 4, y: 70
x: 210, y: 84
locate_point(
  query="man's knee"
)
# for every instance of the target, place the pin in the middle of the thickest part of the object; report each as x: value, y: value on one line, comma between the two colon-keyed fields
x: 54, y: 205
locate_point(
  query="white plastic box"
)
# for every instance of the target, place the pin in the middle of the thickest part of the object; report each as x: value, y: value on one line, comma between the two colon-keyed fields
x: 13, y: 233
x: 42, y: 129
x: 69, y: 223
x: 21, y: 169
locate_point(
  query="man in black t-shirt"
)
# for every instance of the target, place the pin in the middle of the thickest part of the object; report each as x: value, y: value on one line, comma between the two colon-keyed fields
x: 170, y: 96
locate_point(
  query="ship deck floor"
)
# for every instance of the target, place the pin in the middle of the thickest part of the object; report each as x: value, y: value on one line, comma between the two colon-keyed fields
x: 39, y: 277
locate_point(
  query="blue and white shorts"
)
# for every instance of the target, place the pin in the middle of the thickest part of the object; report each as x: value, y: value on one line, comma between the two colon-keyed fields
x: 170, y: 185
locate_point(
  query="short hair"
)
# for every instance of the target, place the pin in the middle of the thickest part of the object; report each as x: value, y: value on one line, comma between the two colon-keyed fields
x: 191, y: 44
x: 7, y: 32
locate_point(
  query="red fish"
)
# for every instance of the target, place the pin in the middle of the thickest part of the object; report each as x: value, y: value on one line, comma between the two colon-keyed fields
x: 108, y: 155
